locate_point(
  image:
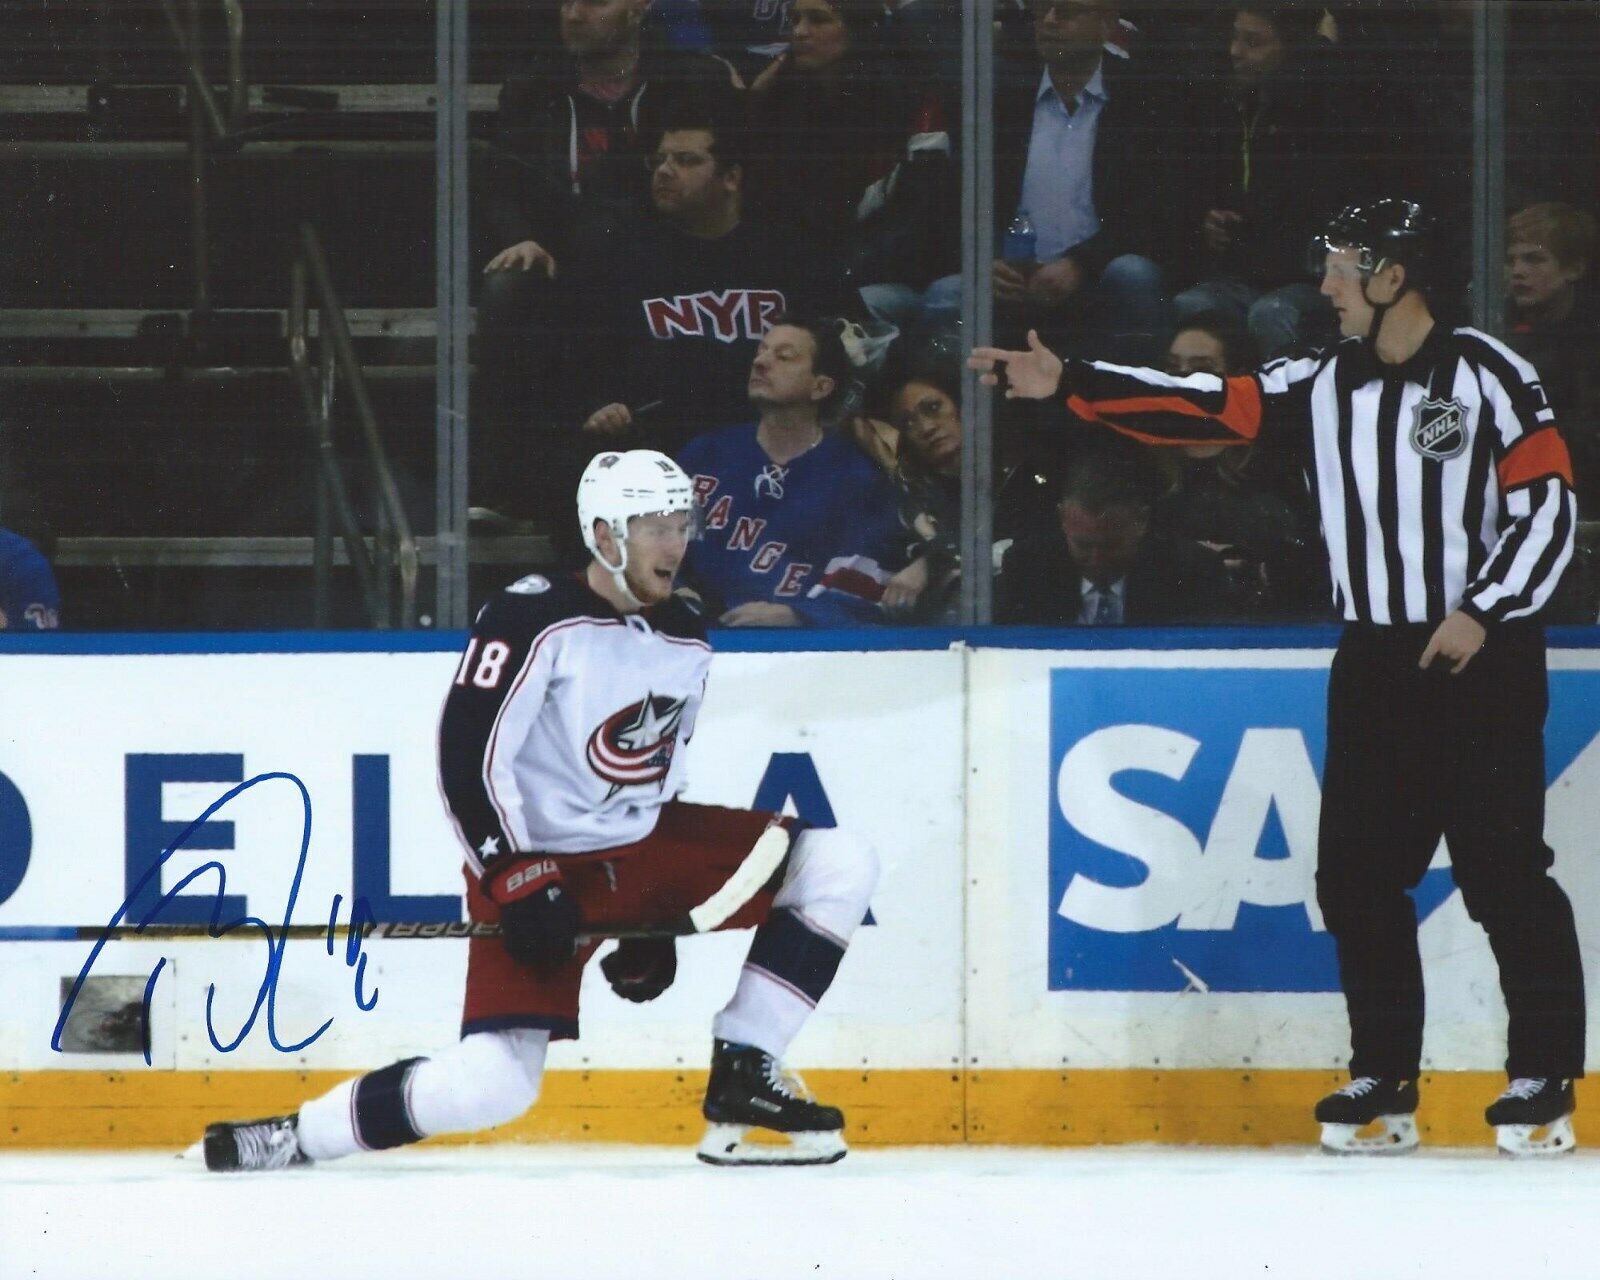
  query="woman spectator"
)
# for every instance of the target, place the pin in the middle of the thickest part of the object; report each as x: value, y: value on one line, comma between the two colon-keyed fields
x: 856, y: 154
x: 922, y: 402
x: 1247, y: 503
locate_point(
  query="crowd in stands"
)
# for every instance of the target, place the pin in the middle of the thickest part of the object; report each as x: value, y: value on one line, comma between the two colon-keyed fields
x: 680, y: 193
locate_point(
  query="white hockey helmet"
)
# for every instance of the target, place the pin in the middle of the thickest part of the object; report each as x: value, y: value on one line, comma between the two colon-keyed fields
x: 616, y: 487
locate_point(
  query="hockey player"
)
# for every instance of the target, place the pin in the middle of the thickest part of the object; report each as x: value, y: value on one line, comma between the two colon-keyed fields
x: 1446, y: 501
x: 797, y: 521
x: 560, y: 765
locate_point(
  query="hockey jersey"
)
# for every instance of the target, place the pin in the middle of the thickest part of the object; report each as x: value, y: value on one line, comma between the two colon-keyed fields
x: 818, y: 534
x: 29, y: 600
x: 561, y: 730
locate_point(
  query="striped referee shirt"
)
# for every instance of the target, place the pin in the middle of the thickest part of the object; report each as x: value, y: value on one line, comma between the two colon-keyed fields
x: 1443, y: 483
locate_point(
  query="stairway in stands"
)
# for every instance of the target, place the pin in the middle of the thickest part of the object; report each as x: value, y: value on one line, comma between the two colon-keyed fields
x: 150, y: 430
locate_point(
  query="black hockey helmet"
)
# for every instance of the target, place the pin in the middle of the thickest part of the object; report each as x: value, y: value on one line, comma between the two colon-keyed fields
x: 1382, y: 232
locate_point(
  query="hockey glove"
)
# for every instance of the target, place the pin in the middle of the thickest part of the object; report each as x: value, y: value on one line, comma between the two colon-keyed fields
x: 539, y: 920
x: 640, y: 969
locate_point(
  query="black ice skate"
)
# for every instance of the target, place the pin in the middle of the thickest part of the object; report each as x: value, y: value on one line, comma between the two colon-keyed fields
x: 1533, y: 1117
x: 1364, y: 1102
x: 250, y: 1145
x: 748, y: 1090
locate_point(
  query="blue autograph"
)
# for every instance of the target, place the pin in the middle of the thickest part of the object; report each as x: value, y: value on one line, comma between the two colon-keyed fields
x: 275, y: 938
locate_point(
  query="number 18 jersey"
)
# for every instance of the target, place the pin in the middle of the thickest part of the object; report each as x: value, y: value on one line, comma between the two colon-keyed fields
x: 562, y: 727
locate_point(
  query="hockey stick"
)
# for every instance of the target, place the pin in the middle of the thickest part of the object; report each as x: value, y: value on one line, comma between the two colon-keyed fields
x: 759, y: 865
x: 297, y: 932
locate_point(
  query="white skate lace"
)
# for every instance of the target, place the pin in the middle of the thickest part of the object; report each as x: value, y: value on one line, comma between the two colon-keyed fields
x: 786, y: 1081
x: 1525, y: 1088
x: 1360, y: 1087
x: 264, y: 1146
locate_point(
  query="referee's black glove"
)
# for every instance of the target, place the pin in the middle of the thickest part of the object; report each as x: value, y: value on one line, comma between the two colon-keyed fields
x: 640, y: 969
x: 539, y: 921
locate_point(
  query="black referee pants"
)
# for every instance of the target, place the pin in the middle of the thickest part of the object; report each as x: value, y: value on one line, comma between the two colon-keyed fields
x: 1414, y: 755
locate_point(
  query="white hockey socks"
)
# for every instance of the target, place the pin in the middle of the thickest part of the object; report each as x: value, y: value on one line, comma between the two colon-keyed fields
x: 484, y: 1080
x: 796, y: 953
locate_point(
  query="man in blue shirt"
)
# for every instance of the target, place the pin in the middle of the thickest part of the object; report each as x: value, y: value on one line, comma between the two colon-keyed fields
x: 796, y: 522
x: 1074, y: 127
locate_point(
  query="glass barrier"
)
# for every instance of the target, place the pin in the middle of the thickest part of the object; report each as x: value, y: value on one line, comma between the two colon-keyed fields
x: 703, y: 229
x: 1158, y: 176
x: 1159, y: 173
x: 734, y: 231
x: 218, y: 306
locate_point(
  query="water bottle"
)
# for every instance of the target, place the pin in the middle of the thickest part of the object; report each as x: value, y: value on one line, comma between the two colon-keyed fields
x: 1021, y: 243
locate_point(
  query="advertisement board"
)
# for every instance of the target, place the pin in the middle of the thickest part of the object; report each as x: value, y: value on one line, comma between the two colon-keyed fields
x: 1157, y: 904
x: 327, y: 761
x: 1098, y: 883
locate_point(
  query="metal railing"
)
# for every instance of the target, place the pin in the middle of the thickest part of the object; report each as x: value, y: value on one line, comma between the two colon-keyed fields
x: 185, y: 29
x: 209, y: 124
x: 393, y: 555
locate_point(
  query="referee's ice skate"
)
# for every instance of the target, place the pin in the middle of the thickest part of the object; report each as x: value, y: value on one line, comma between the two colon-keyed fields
x: 1533, y: 1117
x: 749, y: 1089
x: 1364, y: 1102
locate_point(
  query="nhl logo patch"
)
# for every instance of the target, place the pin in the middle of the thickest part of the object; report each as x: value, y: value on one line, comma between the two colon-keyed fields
x: 1440, y: 431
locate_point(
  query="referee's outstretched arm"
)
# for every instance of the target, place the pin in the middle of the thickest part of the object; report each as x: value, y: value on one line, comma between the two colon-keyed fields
x: 1156, y: 407
x: 1445, y: 489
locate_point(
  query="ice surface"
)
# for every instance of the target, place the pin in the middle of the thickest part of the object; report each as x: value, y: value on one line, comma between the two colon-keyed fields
x: 594, y: 1212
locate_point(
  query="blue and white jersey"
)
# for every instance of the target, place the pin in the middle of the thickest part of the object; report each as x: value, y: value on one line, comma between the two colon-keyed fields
x: 29, y: 600
x: 561, y: 730
x: 814, y: 534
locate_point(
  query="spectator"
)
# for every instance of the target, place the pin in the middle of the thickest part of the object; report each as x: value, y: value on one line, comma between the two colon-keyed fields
x: 1274, y: 143
x: 579, y: 126
x: 1106, y: 562
x: 854, y: 153
x: 797, y: 523
x: 923, y: 403
x: 29, y: 599
x: 1210, y: 342
x: 681, y: 297
x: 1207, y: 342
x: 1073, y: 125
x: 571, y: 137
x: 659, y: 313
x: 1554, y: 321
x: 1249, y: 503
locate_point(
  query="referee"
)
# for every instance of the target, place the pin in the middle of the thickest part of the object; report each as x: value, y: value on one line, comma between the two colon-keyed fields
x: 1446, y: 500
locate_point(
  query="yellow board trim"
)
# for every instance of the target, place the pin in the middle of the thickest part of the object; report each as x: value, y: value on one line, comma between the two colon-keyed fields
x: 84, y: 1109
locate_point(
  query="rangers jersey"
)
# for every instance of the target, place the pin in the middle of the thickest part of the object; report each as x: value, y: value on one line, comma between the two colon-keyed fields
x: 561, y: 731
x: 813, y: 534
